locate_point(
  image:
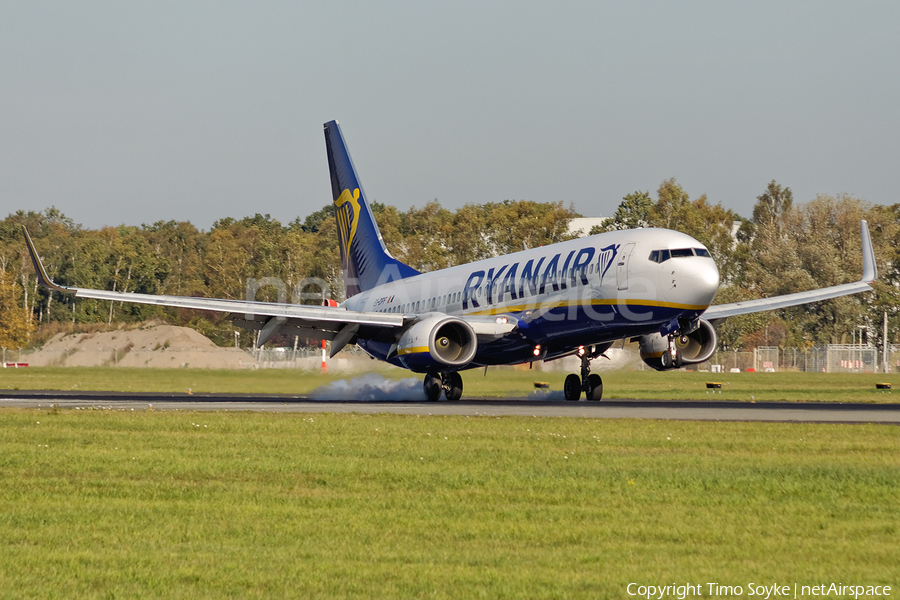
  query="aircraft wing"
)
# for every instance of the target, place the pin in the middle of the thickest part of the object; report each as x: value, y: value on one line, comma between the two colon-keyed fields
x: 870, y: 273
x: 326, y: 322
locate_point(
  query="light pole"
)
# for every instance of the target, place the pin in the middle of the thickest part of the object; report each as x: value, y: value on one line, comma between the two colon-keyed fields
x: 859, y: 352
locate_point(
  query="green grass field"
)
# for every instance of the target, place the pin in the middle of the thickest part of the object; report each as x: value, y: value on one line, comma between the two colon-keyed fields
x: 679, y: 385
x: 104, y: 504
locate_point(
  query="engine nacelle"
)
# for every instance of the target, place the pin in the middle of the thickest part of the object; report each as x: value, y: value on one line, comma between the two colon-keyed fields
x: 436, y: 343
x: 691, y: 348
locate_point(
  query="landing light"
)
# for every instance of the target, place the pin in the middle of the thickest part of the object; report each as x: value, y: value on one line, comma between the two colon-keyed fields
x: 580, y: 350
x: 537, y: 350
x: 502, y: 320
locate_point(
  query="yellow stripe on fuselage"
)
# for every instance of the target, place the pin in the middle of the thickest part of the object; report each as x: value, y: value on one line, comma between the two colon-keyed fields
x: 598, y: 302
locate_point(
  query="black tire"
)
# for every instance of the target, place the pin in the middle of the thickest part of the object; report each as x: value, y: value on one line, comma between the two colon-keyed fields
x: 595, y: 385
x: 454, y: 392
x: 666, y: 359
x: 433, y: 387
x: 572, y: 387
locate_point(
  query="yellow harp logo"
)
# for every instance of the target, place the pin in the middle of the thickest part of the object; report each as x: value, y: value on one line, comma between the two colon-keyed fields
x: 347, y: 214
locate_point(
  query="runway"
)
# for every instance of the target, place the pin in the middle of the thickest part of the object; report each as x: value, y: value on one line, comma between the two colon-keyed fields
x: 687, y: 410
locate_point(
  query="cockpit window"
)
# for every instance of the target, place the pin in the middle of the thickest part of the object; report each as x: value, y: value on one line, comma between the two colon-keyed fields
x: 661, y: 256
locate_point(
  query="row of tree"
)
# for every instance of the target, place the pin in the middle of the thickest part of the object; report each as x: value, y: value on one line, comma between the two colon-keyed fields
x: 781, y: 248
x: 176, y: 258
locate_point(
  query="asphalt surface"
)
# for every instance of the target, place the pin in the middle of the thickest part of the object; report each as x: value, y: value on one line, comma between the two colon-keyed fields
x: 808, y: 412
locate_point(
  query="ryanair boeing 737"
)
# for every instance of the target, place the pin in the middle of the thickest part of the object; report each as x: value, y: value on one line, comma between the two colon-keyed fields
x: 572, y: 298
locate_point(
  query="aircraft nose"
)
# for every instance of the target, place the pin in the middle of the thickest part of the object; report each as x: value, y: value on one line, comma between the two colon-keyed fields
x: 701, y: 281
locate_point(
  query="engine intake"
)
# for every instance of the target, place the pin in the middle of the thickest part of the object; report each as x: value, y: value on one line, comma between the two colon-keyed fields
x: 695, y: 347
x: 436, y: 343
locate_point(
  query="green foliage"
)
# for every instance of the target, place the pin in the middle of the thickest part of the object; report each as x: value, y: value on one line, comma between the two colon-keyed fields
x: 792, y: 248
x: 313, y: 222
x: 15, y: 324
x: 632, y: 213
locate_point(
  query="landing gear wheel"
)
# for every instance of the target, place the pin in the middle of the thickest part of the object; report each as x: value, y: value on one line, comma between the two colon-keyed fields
x: 665, y: 360
x: 572, y: 387
x: 433, y: 387
x: 595, y: 388
x: 453, y: 386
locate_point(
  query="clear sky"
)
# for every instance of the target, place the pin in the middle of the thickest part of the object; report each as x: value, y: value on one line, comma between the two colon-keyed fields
x: 135, y: 112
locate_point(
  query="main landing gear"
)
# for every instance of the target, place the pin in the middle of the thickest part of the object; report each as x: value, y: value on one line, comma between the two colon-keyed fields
x: 449, y: 383
x: 589, y: 383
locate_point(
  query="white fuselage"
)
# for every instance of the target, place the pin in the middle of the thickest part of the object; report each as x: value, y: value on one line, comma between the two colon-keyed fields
x: 605, y: 286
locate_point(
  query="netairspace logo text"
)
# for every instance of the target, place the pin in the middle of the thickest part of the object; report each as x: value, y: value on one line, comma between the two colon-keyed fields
x: 756, y: 590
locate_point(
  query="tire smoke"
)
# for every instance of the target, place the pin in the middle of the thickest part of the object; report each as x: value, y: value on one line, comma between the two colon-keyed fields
x: 372, y: 387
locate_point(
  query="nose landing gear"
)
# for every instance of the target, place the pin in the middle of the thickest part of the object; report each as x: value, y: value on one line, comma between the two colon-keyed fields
x: 589, y: 383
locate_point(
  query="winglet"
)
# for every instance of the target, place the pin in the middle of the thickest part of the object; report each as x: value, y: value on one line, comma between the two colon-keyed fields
x: 39, y: 270
x: 870, y: 269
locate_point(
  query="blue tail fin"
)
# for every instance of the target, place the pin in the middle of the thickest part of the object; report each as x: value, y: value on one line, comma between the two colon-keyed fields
x: 364, y: 258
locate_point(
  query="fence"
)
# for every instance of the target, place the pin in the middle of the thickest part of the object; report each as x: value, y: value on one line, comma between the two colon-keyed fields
x: 832, y: 358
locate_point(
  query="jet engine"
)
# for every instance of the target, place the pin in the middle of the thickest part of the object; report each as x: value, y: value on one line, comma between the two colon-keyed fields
x: 663, y: 352
x: 436, y: 343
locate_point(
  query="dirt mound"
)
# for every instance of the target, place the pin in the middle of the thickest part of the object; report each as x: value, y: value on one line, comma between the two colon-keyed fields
x: 157, y: 346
